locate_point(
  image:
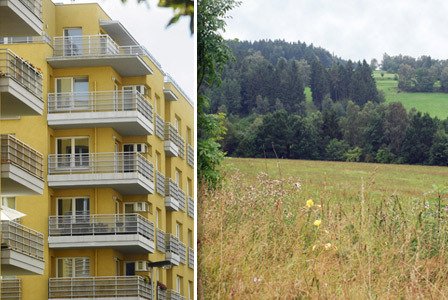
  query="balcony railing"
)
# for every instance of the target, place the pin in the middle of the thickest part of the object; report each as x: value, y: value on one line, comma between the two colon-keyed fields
x: 21, y: 155
x: 172, y: 244
x: 174, y: 191
x: 35, y: 6
x: 120, y: 287
x: 190, y: 155
x: 44, y: 38
x: 160, y: 241
x: 161, y: 294
x: 99, y: 102
x: 11, y: 289
x: 92, y: 163
x: 160, y: 183
x: 82, y: 225
x: 160, y: 125
x: 190, y: 207
x: 26, y: 75
x: 173, y: 295
x: 22, y: 239
x: 172, y: 135
x: 190, y: 257
x: 182, y: 253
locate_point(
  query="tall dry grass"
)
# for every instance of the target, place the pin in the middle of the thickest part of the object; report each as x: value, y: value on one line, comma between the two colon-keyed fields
x: 258, y: 240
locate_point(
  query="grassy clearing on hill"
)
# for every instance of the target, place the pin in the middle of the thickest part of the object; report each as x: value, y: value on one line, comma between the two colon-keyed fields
x: 436, y: 104
x: 383, y: 231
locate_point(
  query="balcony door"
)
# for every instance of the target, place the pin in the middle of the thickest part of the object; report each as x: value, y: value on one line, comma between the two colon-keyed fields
x: 72, y: 93
x: 73, y: 267
x: 129, y: 98
x: 73, y: 42
x: 73, y: 211
x: 72, y: 152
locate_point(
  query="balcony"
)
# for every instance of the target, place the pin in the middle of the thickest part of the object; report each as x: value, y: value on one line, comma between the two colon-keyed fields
x: 174, y: 196
x: 126, y: 172
x: 22, y: 250
x: 127, y: 112
x: 169, y: 88
x: 172, y: 249
x: 129, y: 233
x: 160, y: 240
x: 173, y: 295
x: 20, y: 86
x: 182, y: 253
x: 120, y: 287
x: 11, y: 289
x: 97, y: 51
x: 190, y: 210
x: 190, y: 258
x: 160, y: 127
x: 161, y: 294
x: 20, y: 17
x: 21, y: 168
x: 190, y: 156
x: 174, y: 144
x: 160, y: 184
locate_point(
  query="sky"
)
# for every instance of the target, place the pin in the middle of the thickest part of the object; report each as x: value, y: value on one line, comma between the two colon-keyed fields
x: 173, y: 47
x: 351, y: 29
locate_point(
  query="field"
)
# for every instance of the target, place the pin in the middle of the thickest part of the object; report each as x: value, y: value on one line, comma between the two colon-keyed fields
x: 436, y: 104
x: 370, y: 231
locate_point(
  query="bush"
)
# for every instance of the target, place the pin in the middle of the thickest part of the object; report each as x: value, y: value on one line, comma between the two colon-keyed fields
x: 353, y: 155
x: 336, y: 149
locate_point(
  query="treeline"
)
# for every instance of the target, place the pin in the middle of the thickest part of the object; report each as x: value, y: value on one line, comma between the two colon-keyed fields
x: 342, y: 131
x: 268, y: 115
x: 423, y: 74
x: 267, y: 76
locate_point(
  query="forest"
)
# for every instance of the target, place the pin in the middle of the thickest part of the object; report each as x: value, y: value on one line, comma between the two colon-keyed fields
x: 293, y: 100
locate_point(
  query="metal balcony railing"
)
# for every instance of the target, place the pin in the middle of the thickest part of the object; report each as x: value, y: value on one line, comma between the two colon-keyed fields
x: 172, y: 135
x: 160, y: 126
x: 173, y: 190
x: 44, y: 38
x: 160, y: 183
x: 21, y: 71
x: 172, y: 244
x: 82, y: 224
x: 99, y: 102
x: 118, y: 287
x: 190, y: 210
x: 94, y: 45
x: 173, y: 295
x: 161, y: 294
x: 169, y: 79
x: 160, y: 240
x: 21, y: 155
x: 22, y: 239
x: 182, y: 253
x: 190, y: 257
x: 93, y: 163
x: 10, y: 289
x: 181, y: 198
x: 35, y: 6
x: 190, y: 155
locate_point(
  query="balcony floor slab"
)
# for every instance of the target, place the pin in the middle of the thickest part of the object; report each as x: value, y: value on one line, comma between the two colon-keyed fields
x: 18, y: 101
x: 18, y: 182
x: 16, y: 263
x: 17, y: 20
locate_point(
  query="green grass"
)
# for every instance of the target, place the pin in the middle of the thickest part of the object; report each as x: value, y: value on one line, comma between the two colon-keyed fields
x: 435, y: 104
x: 383, y: 234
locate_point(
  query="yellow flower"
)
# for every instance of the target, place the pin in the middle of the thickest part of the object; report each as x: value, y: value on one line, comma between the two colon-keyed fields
x: 309, y: 203
x: 317, y: 223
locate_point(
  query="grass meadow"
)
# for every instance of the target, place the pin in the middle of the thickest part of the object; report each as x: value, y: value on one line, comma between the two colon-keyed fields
x: 284, y: 229
x: 435, y: 104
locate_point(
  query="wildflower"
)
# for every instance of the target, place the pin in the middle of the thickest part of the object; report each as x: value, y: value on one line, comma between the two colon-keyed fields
x: 327, y: 246
x: 309, y: 203
x: 317, y: 223
x: 257, y: 279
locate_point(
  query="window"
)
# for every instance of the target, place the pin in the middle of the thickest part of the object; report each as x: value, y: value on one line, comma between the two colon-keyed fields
x: 73, y: 206
x: 158, y: 161
x: 179, y: 230
x: 73, y: 267
x: 157, y: 108
x: 190, y: 290
x: 189, y: 187
x: 73, y: 41
x: 190, y: 238
x: 178, y: 177
x: 72, y: 152
x: 177, y: 124
x: 189, y: 137
x: 129, y: 268
x: 72, y: 93
x: 158, y: 218
x: 179, y: 284
x: 9, y: 202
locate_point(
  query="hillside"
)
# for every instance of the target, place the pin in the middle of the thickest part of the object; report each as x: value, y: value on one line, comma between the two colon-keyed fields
x: 435, y: 104
x: 371, y: 231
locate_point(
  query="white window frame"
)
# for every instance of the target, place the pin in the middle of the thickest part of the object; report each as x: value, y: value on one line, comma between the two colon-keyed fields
x: 72, y: 154
x: 73, y: 264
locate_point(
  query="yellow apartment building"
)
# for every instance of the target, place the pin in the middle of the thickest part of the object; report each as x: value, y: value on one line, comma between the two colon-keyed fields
x: 96, y: 151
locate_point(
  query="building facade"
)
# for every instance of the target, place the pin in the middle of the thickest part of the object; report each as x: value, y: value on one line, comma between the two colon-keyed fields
x: 97, y: 152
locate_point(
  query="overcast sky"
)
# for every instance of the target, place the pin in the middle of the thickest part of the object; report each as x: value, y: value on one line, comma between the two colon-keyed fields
x: 173, y: 47
x: 354, y: 29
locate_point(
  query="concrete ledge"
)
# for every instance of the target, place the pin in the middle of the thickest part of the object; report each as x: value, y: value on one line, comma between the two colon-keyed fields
x: 18, y: 182
x: 17, y: 263
x: 16, y: 19
x: 17, y: 100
